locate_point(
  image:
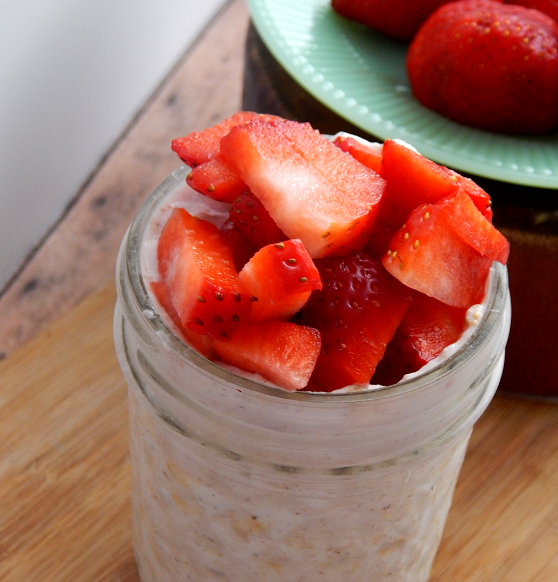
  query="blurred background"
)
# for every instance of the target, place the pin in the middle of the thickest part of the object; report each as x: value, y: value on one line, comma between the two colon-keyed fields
x: 72, y: 75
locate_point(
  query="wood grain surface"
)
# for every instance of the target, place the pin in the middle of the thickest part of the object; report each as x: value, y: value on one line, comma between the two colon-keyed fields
x: 65, y: 512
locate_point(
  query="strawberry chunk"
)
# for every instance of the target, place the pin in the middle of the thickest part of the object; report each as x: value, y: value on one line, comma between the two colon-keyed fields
x: 427, y: 328
x: 217, y: 180
x: 241, y: 251
x: 312, y: 190
x: 365, y: 155
x: 445, y: 250
x: 466, y: 220
x: 479, y: 197
x: 357, y: 313
x: 411, y: 180
x: 197, y: 266
x: 282, y: 276
x: 202, y: 343
x: 253, y: 222
x: 283, y: 353
x: 199, y: 147
x: 378, y: 241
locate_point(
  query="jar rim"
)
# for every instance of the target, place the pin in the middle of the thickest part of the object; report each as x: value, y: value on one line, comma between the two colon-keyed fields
x: 146, y: 310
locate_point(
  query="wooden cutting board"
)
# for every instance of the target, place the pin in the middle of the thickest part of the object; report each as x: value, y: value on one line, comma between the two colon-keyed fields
x: 65, y: 473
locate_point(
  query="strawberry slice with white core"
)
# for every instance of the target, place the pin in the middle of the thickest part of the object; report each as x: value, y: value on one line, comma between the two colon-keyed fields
x: 282, y: 276
x: 439, y: 253
x: 199, y: 147
x: 283, y: 353
x: 312, y: 189
x: 196, y: 264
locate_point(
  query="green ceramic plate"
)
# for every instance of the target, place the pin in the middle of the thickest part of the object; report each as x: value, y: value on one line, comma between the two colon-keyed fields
x: 361, y: 76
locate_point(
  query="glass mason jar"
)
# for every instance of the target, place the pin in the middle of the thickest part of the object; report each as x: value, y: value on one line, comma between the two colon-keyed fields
x: 236, y: 480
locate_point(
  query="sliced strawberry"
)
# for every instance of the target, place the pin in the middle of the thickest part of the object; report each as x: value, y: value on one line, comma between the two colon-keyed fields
x: 253, y: 222
x: 196, y: 265
x: 281, y: 352
x: 378, y: 241
x: 411, y: 179
x: 311, y: 189
x: 479, y: 197
x: 469, y: 223
x: 202, y: 343
x: 439, y: 251
x: 427, y: 328
x: 199, y: 147
x: 365, y: 155
x: 357, y: 313
x: 241, y: 250
x: 281, y: 276
x: 217, y: 180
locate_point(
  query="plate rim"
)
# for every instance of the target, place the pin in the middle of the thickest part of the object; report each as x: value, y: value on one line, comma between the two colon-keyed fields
x: 270, y: 33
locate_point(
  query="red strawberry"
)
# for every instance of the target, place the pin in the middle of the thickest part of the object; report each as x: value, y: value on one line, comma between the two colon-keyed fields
x: 196, y: 265
x: 412, y: 180
x: 445, y: 250
x: 281, y: 276
x: 202, y: 343
x: 549, y: 7
x: 466, y: 220
x: 397, y: 18
x: 199, y: 147
x: 281, y: 352
x: 217, y: 180
x: 364, y: 154
x: 378, y: 242
x: 479, y: 197
x: 311, y: 189
x: 241, y: 250
x: 357, y: 313
x: 253, y: 222
x: 427, y: 328
x: 489, y: 65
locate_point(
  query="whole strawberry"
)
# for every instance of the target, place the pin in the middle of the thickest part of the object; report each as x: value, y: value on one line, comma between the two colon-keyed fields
x: 396, y: 18
x: 489, y: 65
x: 549, y: 7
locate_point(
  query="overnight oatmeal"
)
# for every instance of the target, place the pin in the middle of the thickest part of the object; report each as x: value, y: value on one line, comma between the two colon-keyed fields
x: 244, y: 467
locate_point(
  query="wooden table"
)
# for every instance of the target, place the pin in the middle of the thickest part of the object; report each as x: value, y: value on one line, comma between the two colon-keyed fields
x: 64, y: 464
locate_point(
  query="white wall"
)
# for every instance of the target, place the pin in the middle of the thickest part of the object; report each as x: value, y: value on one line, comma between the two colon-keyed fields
x: 72, y: 74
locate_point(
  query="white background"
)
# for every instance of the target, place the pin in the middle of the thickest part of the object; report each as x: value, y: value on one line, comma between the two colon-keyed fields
x: 72, y: 74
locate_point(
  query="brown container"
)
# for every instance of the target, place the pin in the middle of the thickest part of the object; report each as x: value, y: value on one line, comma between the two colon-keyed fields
x: 528, y: 217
